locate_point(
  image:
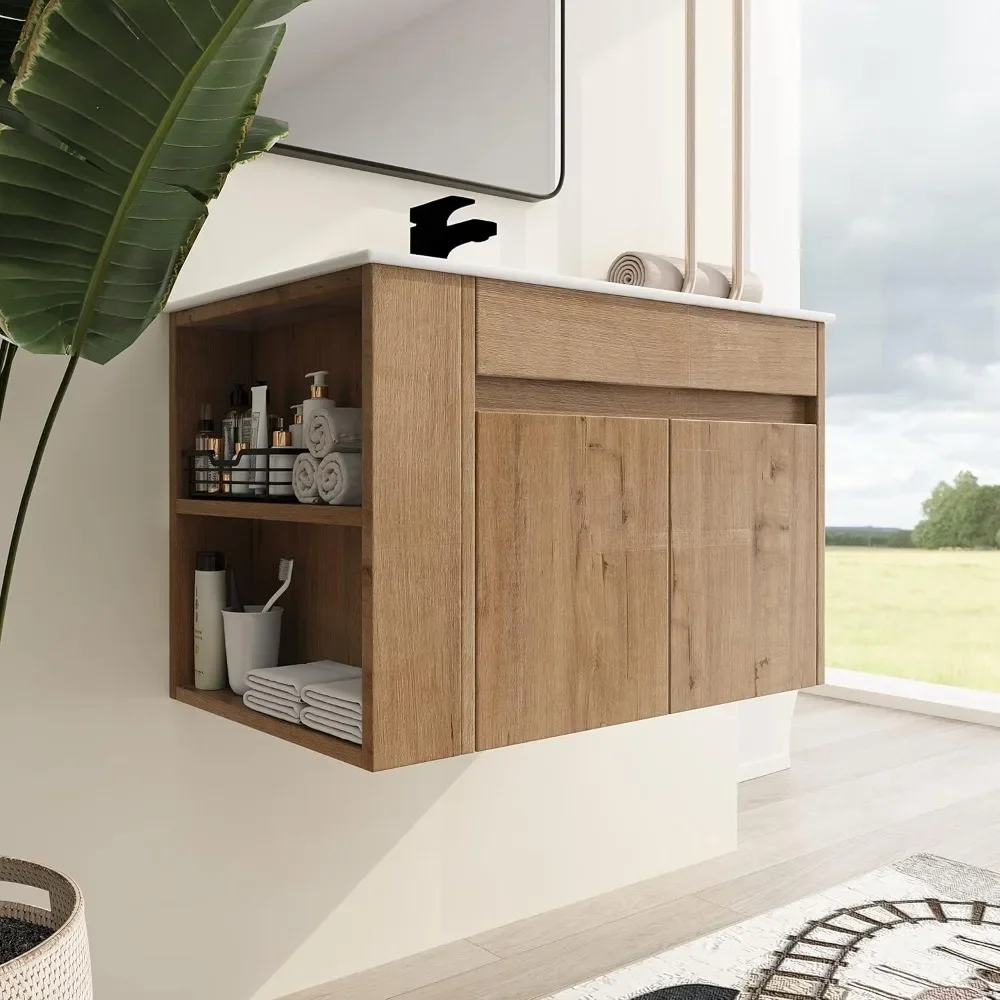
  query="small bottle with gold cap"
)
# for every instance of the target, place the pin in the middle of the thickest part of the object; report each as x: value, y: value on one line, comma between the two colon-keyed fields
x: 281, y: 461
x: 206, y: 476
x: 298, y: 438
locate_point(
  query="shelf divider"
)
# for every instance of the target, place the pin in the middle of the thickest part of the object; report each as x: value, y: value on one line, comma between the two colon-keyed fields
x: 290, y: 513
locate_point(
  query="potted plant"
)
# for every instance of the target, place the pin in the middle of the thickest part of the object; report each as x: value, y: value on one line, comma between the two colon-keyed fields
x: 120, y: 120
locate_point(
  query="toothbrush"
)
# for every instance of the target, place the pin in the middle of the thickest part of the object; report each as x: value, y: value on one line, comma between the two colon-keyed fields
x: 285, y: 576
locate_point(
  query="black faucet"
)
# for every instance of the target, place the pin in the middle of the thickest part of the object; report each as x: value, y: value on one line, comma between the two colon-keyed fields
x: 430, y: 234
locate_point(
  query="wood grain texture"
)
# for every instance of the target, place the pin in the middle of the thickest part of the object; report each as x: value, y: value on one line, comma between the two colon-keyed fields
x: 412, y: 550
x: 602, y: 400
x: 322, y: 616
x: 290, y: 513
x: 276, y: 305
x: 573, y: 574
x: 230, y: 706
x: 329, y: 340
x: 468, y: 514
x: 529, y: 331
x: 743, y: 541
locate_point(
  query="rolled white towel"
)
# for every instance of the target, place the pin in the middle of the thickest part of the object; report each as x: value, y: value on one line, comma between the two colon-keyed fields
x: 276, y: 706
x: 653, y: 270
x: 339, y: 479
x: 304, y: 478
x: 331, y: 724
x: 342, y: 696
x: 336, y: 429
x: 287, y: 682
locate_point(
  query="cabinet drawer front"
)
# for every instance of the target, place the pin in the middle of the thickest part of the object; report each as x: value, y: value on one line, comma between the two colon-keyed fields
x: 744, y: 523
x: 573, y: 574
x: 527, y: 331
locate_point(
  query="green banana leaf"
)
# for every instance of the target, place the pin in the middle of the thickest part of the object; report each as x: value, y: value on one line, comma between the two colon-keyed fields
x: 12, y: 16
x: 122, y: 122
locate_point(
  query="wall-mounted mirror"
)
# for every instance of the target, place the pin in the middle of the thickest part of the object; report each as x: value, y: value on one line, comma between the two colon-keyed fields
x: 466, y: 93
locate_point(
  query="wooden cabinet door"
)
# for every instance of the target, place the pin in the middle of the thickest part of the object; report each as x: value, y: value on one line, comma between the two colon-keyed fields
x: 573, y: 574
x: 744, y: 539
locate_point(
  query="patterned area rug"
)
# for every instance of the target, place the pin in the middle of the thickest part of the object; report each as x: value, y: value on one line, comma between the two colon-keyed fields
x: 923, y: 929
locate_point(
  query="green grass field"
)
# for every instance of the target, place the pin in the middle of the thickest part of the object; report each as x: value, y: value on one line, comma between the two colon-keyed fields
x: 926, y: 616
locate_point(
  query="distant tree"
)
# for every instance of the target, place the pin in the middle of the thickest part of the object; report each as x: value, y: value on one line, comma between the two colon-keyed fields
x: 874, y: 538
x: 963, y: 515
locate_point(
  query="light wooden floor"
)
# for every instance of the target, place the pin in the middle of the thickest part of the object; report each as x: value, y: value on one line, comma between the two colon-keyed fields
x: 867, y: 787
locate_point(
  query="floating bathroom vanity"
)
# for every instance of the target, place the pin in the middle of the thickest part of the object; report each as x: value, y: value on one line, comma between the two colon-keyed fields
x: 584, y: 504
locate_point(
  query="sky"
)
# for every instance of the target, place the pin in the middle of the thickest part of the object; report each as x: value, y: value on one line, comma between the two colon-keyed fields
x: 901, y: 239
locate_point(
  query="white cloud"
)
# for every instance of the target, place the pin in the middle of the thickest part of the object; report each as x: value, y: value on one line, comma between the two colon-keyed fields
x: 901, y: 157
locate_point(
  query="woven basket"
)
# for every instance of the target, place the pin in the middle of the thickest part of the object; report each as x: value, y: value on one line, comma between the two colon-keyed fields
x: 59, y: 968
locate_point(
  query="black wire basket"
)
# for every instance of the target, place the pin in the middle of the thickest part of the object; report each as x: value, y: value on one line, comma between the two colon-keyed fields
x: 255, y: 474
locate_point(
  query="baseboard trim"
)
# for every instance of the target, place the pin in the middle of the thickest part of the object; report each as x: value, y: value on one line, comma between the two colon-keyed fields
x: 939, y: 700
x: 750, y: 769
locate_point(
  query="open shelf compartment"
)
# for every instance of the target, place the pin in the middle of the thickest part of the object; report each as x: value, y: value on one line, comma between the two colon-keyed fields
x: 277, y: 340
x: 383, y: 586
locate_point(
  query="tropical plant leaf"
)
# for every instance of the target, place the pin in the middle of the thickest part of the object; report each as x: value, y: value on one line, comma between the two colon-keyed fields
x: 153, y: 102
x: 12, y: 15
x: 262, y: 134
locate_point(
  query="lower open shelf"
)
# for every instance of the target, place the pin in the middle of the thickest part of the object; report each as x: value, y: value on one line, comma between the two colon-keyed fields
x: 230, y: 706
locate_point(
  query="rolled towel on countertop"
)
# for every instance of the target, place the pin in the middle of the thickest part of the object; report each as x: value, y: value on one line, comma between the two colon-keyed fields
x: 304, y: 482
x: 288, y: 682
x: 652, y: 270
x: 327, y: 722
x: 336, y: 429
x: 343, y: 695
x: 273, y: 705
x: 339, y: 479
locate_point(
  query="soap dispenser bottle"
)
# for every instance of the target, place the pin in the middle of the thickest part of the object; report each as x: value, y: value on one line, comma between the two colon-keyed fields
x: 319, y: 399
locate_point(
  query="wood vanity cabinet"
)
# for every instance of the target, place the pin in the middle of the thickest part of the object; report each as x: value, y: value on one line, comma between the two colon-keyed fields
x: 580, y: 509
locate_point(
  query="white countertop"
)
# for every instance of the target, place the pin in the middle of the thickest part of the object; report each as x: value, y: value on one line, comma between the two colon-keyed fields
x: 360, y: 257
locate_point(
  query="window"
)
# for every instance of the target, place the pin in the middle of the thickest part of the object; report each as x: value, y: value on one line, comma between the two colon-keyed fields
x: 901, y: 238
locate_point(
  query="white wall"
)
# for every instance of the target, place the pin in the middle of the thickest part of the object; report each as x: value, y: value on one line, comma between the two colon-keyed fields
x: 220, y: 864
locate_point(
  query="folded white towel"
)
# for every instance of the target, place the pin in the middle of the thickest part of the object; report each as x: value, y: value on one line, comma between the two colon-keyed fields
x: 327, y: 722
x: 342, y: 695
x: 334, y: 718
x: 304, y: 481
x: 287, y: 682
x: 269, y: 704
x: 339, y: 479
x: 336, y: 429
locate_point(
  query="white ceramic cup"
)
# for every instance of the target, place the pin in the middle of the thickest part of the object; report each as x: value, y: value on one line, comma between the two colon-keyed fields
x: 252, y: 641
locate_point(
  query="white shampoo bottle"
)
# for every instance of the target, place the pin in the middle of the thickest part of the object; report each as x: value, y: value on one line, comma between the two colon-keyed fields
x: 210, y: 583
x: 261, y: 436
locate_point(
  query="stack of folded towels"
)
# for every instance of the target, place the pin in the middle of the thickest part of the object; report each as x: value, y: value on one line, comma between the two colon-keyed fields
x: 323, y: 695
x: 331, y: 470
